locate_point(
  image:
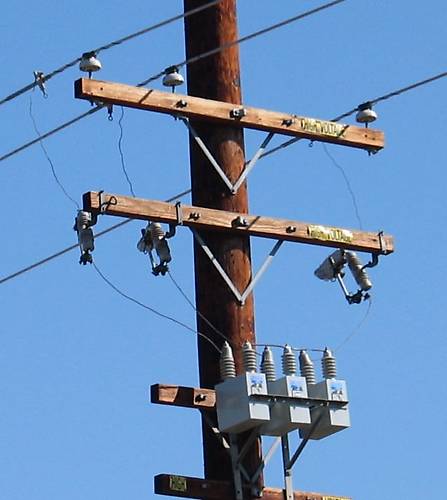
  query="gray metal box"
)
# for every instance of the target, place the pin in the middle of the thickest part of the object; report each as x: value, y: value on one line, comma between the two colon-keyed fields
x: 287, y: 416
x: 333, y: 419
x: 235, y: 412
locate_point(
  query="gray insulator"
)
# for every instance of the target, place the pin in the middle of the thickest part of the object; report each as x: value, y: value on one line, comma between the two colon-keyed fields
x: 328, y: 364
x: 268, y: 365
x: 360, y: 275
x: 288, y: 361
x: 83, y: 219
x: 307, y: 368
x: 227, y: 365
x: 331, y: 266
x: 249, y: 357
x: 156, y: 231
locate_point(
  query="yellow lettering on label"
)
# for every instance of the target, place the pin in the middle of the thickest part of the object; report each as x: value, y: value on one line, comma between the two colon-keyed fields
x: 330, y: 234
x: 322, y: 127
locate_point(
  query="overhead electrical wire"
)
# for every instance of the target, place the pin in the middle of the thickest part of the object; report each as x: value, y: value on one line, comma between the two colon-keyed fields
x: 271, y: 151
x: 190, y: 302
x: 152, y: 310
x: 108, y: 46
x: 245, y: 38
x: 73, y: 247
x: 347, y: 182
x: 120, y: 149
x: 183, y: 63
x: 47, y: 156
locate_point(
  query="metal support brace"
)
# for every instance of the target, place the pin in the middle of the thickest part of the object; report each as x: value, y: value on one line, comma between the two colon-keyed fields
x: 288, y: 483
x: 241, y: 297
x: 265, y: 460
x: 236, y: 468
x: 248, y: 165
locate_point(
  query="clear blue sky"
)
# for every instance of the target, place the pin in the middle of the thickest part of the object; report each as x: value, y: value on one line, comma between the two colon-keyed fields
x: 76, y: 360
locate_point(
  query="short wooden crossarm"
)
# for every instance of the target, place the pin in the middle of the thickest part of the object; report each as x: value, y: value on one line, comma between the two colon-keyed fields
x: 192, y: 487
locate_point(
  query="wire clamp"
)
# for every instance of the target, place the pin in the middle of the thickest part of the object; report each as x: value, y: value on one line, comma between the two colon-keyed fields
x: 39, y: 79
x: 179, y: 213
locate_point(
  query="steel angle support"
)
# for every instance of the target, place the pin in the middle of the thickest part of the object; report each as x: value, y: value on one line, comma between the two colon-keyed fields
x: 241, y: 297
x: 248, y: 165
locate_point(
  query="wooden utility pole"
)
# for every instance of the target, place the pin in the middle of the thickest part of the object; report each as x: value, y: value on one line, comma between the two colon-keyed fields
x: 218, y: 77
x: 222, y: 227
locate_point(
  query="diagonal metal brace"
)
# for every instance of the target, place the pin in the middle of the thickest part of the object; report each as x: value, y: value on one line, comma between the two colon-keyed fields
x: 248, y: 165
x: 241, y: 297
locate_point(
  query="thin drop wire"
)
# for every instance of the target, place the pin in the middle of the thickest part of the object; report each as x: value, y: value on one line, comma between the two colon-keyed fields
x: 347, y: 182
x: 161, y: 73
x: 47, y: 156
x: 185, y: 296
x: 357, y: 328
x: 243, y: 39
x: 120, y: 149
x: 295, y: 349
x: 51, y: 132
x: 152, y: 310
x: 119, y: 41
x: 73, y: 247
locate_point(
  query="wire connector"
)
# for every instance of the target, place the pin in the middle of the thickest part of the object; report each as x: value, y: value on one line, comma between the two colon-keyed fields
x: 39, y: 79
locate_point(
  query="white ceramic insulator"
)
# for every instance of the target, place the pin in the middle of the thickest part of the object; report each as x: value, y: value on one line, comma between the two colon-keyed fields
x: 249, y: 357
x: 328, y: 364
x: 268, y: 364
x: 307, y: 368
x: 288, y: 361
x: 227, y: 365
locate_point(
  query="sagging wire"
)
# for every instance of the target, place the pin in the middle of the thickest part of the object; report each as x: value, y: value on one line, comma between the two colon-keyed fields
x: 161, y: 73
x: 44, y: 78
x: 120, y: 149
x: 47, y: 156
x: 75, y: 246
x: 347, y: 182
x: 51, y: 132
x: 245, y: 38
x: 357, y: 328
x: 152, y: 310
x: 190, y: 302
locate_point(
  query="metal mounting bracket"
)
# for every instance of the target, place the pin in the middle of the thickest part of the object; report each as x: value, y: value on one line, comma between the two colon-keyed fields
x: 248, y: 165
x: 241, y: 297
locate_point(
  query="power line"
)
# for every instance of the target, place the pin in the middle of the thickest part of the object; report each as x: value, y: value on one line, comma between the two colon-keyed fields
x: 347, y: 182
x: 50, y: 132
x: 72, y: 247
x: 357, y: 328
x: 152, y: 310
x: 120, y: 149
x: 47, y: 156
x: 183, y: 63
x: 190, y: 302
x: 255, y: 34
x: 108, y: 46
